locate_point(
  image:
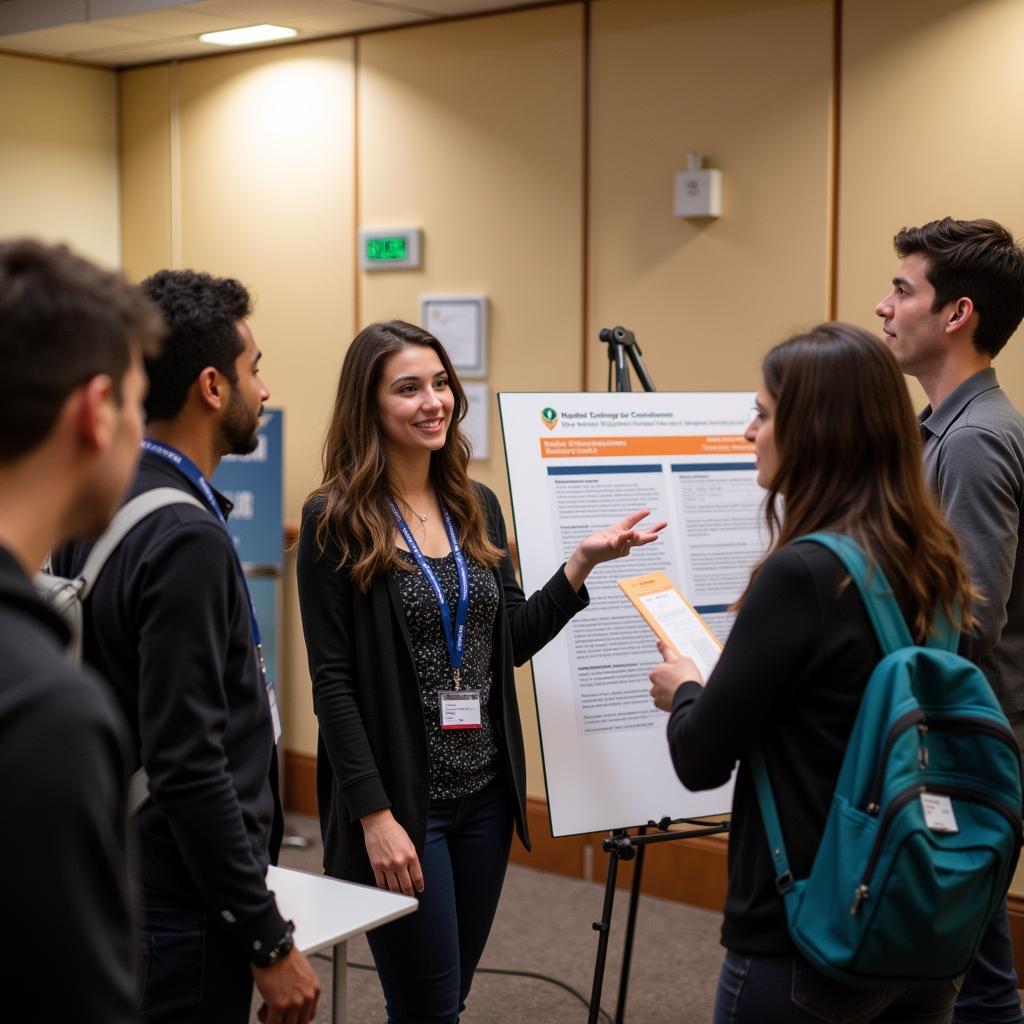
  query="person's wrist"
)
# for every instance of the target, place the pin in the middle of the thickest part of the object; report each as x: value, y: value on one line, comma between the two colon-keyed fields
x: 578, y: 564
x: 278, y: 951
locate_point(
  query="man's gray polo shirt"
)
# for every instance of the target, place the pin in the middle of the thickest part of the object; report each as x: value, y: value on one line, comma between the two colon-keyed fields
x: 974, y: 461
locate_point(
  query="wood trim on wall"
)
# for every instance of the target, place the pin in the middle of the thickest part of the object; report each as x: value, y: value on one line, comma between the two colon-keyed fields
x: 692, y: 871
x: 300, y: 783
x: 1015, y: 902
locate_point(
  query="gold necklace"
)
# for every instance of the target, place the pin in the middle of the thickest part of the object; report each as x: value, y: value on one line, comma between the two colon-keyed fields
x: 419, y: 515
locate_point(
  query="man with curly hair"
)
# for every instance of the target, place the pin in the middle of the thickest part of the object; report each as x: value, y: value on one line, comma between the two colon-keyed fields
x: 170, y: 623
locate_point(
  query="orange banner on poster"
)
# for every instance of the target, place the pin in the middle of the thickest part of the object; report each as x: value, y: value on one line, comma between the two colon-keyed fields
x: 605, y: 447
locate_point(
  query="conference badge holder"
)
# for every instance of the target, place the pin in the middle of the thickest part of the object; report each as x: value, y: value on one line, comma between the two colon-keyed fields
x: 460, y: 709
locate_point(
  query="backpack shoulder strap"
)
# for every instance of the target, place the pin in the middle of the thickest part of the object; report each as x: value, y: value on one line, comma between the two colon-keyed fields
x: 874, y: 588
x: 770, y: 818
x: 129, y: 516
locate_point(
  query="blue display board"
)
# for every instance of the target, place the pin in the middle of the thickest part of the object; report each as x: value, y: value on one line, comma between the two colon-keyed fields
x: 254, y: 483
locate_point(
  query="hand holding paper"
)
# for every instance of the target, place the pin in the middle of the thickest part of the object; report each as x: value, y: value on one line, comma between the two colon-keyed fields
x: 667, y: 677
x: 689, y: 649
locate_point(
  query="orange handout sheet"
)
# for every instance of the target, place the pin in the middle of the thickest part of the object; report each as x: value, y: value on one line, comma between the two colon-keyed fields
x: 672, y: 618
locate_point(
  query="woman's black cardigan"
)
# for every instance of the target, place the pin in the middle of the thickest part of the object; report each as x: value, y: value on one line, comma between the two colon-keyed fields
x: 372, y: 748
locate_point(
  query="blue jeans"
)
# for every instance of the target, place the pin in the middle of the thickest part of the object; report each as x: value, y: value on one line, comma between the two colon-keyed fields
x: 989, y: 993
x: 787, y: 990
x: 190, y: 970
x: 426, y: 961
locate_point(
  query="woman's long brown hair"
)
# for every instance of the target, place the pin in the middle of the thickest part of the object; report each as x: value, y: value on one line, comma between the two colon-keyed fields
x: 355, y: 491
x: 850, y: 461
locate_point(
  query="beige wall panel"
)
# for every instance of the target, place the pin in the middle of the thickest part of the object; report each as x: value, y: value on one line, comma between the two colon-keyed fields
x: 473, y: 132
x: 59, y: 155
x: 747, y: 84
x: 267, y: 179
x: 146, y: 127
x: 931, y: 119
x: 931, y: 115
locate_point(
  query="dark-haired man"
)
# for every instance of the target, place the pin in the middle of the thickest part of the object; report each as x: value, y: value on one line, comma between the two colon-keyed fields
x: 71, y: 385
x: 956, y: 299
x: 170, y: 624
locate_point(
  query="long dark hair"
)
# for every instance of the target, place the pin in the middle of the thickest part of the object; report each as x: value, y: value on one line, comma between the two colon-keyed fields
x: 355, y: 491
x: 849, y: 460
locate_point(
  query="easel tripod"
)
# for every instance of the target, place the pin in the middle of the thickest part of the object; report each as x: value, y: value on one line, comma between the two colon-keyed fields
x: 622, y: 846
x: 622, y: 344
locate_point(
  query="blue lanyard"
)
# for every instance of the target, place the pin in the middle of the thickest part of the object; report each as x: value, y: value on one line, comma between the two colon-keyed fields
x: 195, y: 475
x: 455, y: 639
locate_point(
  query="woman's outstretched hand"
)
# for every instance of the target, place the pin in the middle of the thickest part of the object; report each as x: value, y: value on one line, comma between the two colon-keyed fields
x: 604, y: 545
x: 666, y: 678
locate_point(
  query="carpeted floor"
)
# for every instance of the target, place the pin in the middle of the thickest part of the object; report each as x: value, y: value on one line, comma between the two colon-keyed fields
x: 544, y: 925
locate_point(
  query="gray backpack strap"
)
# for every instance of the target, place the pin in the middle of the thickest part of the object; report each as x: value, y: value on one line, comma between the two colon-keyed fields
x: 68, y: 595
x: 138, y: 791
x: 130, y: 515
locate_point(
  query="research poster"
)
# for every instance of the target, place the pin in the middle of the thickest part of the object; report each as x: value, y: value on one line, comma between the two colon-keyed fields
x: 577, y: 463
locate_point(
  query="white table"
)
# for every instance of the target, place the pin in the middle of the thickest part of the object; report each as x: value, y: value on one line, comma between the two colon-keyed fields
x: 329, y: 912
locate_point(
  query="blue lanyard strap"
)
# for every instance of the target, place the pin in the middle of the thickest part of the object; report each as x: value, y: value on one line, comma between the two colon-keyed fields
x: 195, y: 475
x: 455, y: 639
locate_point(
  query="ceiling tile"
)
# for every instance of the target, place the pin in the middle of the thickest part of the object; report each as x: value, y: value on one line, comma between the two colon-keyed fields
x: 163, y: 29
x: 147, y: 53
x: 450, y: 8
x: 99, y: 9
x: 182, y: 21
x: 26, y: 15
x: 67, y: 39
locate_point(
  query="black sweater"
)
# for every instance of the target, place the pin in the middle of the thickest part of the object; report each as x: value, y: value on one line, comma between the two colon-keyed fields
x: 792, y: 673
x: 168, y: 624
x: 67, y: 951
x: 372, y: 749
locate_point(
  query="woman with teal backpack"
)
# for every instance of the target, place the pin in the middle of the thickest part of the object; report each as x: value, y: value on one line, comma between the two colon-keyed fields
x: 838, y: 450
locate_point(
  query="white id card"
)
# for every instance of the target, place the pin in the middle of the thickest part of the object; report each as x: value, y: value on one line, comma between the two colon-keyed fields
x: 275, y: 715
x: 938, y: 813
x: 460, y: 709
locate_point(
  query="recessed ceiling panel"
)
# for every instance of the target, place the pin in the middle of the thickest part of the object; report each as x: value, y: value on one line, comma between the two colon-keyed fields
x: 158, y: 30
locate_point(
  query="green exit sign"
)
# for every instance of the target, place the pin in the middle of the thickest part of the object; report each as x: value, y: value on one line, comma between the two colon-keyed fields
x: 389, y: 250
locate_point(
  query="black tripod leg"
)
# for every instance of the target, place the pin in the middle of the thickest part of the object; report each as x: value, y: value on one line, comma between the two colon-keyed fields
x: 603, y: 927
x: 627, y: 950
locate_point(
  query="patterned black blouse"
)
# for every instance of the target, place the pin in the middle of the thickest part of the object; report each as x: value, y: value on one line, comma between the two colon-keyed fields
x: 462, y: 761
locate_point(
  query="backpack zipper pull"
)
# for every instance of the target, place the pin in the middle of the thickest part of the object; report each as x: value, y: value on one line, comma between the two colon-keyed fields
x: 922, y: 750
x: 860, y: 894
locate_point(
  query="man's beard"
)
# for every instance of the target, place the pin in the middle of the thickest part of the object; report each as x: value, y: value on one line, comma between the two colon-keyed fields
x: 239, y: 426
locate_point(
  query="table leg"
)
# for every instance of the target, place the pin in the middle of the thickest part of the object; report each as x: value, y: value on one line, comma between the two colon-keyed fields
x: 339, y: 986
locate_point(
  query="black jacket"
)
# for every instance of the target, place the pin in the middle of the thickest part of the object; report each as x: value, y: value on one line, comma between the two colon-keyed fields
x: 168, y: 624
x: 67, y: 951
x: 792, y: 673
x: 372, y: 750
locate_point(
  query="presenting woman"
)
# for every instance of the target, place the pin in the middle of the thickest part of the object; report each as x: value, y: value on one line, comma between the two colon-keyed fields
x: 413, y: 622
x: 837, y: 449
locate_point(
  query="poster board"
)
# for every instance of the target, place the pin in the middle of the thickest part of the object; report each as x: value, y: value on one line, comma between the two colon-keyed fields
x: 578, y: 462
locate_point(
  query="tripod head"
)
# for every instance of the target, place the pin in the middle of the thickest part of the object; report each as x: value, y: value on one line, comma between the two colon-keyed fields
x: 621, y: 343
x: 617, y: 336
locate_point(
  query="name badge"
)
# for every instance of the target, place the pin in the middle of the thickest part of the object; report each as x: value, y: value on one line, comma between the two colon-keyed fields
x: 275, y: 715
x: 460, y: 709
x: 938, y: 813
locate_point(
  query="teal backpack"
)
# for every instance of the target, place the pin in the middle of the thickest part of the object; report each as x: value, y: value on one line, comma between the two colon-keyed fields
x: 924, y: 829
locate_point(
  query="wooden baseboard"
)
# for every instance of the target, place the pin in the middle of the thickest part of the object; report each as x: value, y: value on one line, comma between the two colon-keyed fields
x: 691, y: 871
x: 300, y: 783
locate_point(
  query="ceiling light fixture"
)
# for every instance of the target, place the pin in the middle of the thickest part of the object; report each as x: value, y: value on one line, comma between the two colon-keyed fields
x: 250, y: 34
